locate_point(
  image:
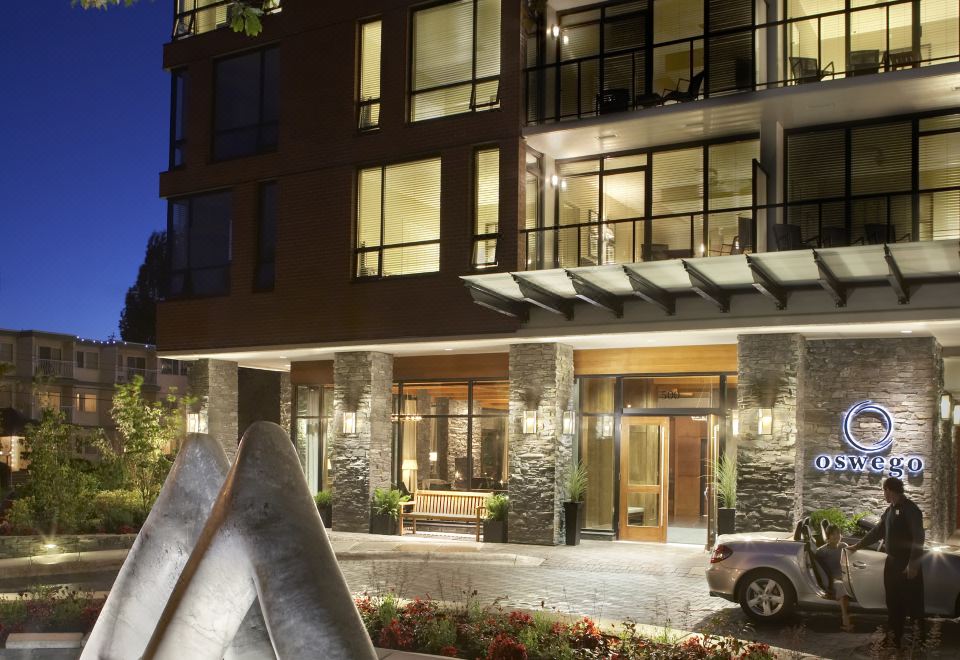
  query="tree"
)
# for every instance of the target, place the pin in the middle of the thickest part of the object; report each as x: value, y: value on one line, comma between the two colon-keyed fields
x: 244, y: 14
x: 138, y: 320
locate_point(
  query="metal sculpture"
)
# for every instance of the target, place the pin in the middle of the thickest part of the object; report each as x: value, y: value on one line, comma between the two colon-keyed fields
x: 258, y: 578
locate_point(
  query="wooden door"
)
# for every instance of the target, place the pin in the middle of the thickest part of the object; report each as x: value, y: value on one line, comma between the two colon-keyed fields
x: 644, y: 448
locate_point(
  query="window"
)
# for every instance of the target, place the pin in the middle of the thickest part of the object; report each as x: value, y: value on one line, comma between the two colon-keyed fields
x: 6, y: 352
x: 246, y: 104
x: 455, y: 433
x: 199, y: 16
x: 398, y: 219
x: 178, y: 100
x: 267, y: 238
x: 370, y: 75
x: 456, y: 59
x: 88, y: 359
x: 312, y: 433
x: 199, y: 231
x: 86, y: 402
x: 486, y: 208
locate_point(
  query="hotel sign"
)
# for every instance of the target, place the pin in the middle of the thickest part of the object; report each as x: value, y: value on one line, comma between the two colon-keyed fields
x: 869, y: 456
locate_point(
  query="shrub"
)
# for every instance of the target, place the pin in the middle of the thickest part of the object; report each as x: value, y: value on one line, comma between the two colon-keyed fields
x: 323, y: 498
x: 834, y: 516
x: 387, y: 502
x: 497, y: 507
x: 116, y: 510
x: 726, y: 481
x: 20, y: 516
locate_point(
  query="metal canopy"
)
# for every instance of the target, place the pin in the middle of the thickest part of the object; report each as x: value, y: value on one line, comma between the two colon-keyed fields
x: 838, y: 271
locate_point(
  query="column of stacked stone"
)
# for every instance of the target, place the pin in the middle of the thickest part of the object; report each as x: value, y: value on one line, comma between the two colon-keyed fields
x: 361, y: 461
x: 214, y: 384
x: 541, y: 379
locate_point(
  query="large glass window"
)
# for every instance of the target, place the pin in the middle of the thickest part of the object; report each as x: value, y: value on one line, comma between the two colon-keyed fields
x: 266, y: 237
x: 598, y: 449
x: 312, y: 433
x: 398, y: 219
x: 701, y: 204
x: 486, y: 210
x: 370, y: 74
x: 856, y: 184
x: 246, y: 104
x: 456, y: 59
x: 178, y: 100
x: 199, y: 250
x: 453, y: 435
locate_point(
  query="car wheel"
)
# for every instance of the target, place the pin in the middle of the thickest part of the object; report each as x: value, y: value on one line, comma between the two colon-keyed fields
x: 767, y: 595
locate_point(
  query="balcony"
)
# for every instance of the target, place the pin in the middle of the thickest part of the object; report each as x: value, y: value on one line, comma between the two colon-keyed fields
x: 47, y: 368
x: 127, y: 374
x: 626, y: 66
x: 195, y: 17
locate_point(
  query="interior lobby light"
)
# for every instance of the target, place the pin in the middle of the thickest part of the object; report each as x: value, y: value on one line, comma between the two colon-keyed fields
x: 606, y: 426
x: 765, y: 421
x: 945, y: 406
x: 529, y: 421
x: 349, y: 422
x: 433, y: 457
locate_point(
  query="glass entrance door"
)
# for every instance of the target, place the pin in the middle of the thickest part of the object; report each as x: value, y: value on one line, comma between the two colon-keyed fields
x: 644, y: 448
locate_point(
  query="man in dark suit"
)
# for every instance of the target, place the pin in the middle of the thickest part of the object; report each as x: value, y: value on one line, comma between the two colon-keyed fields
x: 901, y: 527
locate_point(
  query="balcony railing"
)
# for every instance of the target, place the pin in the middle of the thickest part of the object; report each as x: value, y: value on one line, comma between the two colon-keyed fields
x: 127, y: 374
x: 829, y: 46
x: 52, y: 368
x: 194, y: 17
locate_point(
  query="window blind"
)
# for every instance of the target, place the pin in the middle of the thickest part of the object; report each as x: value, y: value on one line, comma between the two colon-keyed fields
x: 370, y: 74
x: 881, y: 158
x: 816, y: 165
x: 486, y: 207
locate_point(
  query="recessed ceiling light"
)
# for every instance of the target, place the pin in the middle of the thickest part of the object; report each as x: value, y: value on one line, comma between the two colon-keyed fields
x: 906, y: 332
x: 448, y: 349
x: 283, y: 357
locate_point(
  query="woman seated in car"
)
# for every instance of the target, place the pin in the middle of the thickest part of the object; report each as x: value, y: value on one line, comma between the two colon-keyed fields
x: 829, y: 557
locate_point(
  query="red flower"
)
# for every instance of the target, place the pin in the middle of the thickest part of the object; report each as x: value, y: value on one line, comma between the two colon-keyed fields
x: 505, y: 647
x: 520, y: 619
x: 449, y: 651
x: 396, y: 636
x: 419, y: 608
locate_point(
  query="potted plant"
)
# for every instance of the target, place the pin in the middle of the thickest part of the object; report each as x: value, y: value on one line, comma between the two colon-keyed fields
x: 385, y: 510
x: 324, y: 500
x: 495, y: 523
x: 574, y: 510
x: 726, y: 480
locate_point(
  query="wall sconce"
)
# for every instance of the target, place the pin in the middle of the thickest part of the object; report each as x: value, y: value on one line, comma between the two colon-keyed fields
x: 555, y: 31
x: 567, y: 425
x: 765, y: 421
x: 605, y: 426
x: 956, y: 415
x: 944, y: 407
x: 349, y: 422
x: 735, y: 422
x: 529, y: 421
x: 554, y: 180
x: 197, y: 422
x: 433, y: 457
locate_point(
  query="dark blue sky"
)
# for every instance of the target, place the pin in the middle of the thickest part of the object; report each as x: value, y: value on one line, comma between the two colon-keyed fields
x: 85, y: 116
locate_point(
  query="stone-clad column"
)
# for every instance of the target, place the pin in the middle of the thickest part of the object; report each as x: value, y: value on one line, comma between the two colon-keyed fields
x: 214, y: 384
x: 541, y: 379
x: 361, y: 461
x: 769, y: 467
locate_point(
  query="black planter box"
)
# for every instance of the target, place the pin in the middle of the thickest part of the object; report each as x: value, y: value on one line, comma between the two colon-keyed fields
x: 574, y: 514
x: 495, y: 531
x: 383, y: 524
x: 726, y: 521
x: 326, y: 515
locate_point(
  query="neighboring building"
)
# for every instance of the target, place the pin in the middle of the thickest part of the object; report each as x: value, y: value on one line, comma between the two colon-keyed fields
x: 656, y: 283
x: 77, y: 376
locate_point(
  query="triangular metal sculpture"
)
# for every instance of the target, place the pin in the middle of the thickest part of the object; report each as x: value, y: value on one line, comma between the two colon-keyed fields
x: 232, y: 564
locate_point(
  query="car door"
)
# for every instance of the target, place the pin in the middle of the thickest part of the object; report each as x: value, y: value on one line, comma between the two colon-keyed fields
x: 863, y: 577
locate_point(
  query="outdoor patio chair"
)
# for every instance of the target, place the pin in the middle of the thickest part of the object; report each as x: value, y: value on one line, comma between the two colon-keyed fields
x: 879, y: 233
x: 901, y: 58
x: 834, y: 237
x: 788, y: 237
x: 863, y: 62
x: 613, y: 100
x: 807, y: 70
x: 691, y: 93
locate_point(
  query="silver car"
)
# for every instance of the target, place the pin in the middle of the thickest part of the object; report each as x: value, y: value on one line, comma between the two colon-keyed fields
x: 773, y: 574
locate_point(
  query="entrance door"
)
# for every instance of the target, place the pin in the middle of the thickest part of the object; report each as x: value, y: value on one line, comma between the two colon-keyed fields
x: 644, y: 444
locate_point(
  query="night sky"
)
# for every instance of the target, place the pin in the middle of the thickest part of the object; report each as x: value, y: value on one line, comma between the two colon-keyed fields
x: 85, y: 116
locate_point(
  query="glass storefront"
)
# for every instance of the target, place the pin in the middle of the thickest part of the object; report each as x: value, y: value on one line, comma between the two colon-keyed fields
x: 452, y: 435
x: 312, y: 426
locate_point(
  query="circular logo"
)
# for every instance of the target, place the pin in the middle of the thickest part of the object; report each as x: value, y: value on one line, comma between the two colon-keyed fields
x: 868, y: 407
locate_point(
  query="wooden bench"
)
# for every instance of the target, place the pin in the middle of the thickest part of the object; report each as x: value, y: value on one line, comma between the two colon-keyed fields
x: 445, y: 505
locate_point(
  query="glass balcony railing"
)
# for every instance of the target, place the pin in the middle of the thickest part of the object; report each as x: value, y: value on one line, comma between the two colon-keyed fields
x: 52, y: 368
x: 127, y: 374
x: 594, y: 79
x: 198, y: 16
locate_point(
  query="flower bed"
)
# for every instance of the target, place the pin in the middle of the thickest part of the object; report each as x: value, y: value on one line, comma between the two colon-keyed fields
x: 492, y: 633
x: 48, y: 610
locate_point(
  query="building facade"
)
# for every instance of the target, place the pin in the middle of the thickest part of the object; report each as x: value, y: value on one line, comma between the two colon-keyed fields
x: 486, y: 240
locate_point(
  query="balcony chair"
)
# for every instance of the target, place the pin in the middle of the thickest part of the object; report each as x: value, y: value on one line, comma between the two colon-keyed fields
x: 834, y: 237
x: 691, y: 93
x: 807, y: 70
x: 788, y: 237
x: 863, y: 62
x: 879, y: 233
x: 902, y: 58
x: 648, y: 100
x: 613, y: 100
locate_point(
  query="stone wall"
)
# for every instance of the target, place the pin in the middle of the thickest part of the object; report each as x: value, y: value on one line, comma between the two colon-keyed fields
x: 214, y: 384
x: 541, y: 379
x: 905, y: 376
x: 767, y: 489
x: 361, y: 461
